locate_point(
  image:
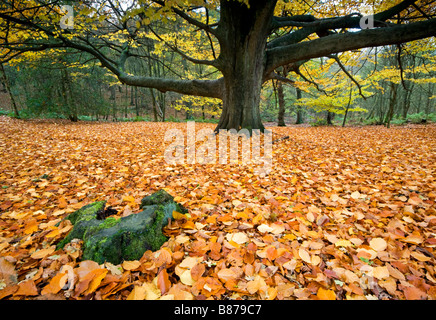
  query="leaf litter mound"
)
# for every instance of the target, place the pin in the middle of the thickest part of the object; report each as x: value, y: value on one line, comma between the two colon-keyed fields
x: 346, y: 213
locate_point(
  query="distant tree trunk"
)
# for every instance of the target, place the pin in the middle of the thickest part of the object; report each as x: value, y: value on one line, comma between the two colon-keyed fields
x: 407, y: 98
x: 418, y: 103
x: 136, y: 102
x: 132, y: 100
x: 188, y: 114
x: 153, y: 100
x: 371, y: 112
x: 281, y: 96
x: 300, y: 119
x: 113, y: 97
x: 348, y: 107
x: 69, y: 96
x: 330, y: 116
x: 392, y: 101
x: 126, y: 103
x: 428, y: 106
x: 380, y: 109
x: 8, y: 89
x: 162, y: 105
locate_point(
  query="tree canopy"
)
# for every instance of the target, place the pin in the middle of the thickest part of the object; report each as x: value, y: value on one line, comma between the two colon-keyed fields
x: 239, y: 44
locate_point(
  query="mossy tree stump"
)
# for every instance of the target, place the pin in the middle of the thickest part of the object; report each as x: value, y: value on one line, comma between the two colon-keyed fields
x: 127, y: 238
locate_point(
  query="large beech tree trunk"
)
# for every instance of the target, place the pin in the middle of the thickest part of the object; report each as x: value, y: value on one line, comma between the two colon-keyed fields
x: 243, y: 32
x: 241, y: 103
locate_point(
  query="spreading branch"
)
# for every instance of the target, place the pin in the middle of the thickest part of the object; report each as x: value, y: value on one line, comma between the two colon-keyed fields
x: 206, y: 88
x: 349, y: 41
x: 310, y: 25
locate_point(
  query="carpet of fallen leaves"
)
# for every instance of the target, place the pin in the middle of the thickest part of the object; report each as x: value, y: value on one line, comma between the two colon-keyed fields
x: 346, y: 213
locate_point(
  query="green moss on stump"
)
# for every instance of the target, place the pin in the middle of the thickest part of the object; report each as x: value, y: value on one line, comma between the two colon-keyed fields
x: 158, y: 197
x: 127, y: 238
x: 83, y: 220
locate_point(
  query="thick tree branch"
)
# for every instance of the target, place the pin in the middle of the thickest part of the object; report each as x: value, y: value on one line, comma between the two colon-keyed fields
x: 204, y: 88
x: 280, y: 22
x: 349, y: 41
x: 328, y: 23
x: 310, y: 25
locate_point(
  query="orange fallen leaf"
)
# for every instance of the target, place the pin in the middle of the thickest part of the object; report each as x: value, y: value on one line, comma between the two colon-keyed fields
x: 129, y: 199
x: 413, y: 293
x: 212, y: 286
x: 271, y: 253
x: 161, y: 257
x: 239, y: 237
x: 413, y: 239
x: 419, y: 256
x: 256, y: 284
x: 343, y: 243
x: 62, y: 203
x: 31, y: 227
x: 9, y: 290
x: 258, y: 218
x: 7, y: 272
x: 131, y: 265
x: 26, y: 288
x: 188, y: 225
x: 378, y: 244
x: 85, y: 267
x: 304, y: 255
x: 55, y: 284
x: 355, y: 195
x: 53, y: 233
x: 99, y: 275
x: 226, y: 274
x: 163, y: 281
x: 197, y: 271
x: 40, y: 254
x: 380, y: 272
x: 177, y: 215
x: 324, y: 294
x: 138, y: 293
x: 270, y: 293
x: 86, y: 284
x: 186, y: 278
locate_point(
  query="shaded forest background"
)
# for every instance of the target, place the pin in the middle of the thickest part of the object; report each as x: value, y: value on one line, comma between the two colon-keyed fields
x: 70, y: 85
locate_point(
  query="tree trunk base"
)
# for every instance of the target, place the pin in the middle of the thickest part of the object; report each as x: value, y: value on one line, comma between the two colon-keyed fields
x: 127, y: 238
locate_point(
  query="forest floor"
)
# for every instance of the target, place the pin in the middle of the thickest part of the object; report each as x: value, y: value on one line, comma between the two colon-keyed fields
x: 345, y: 213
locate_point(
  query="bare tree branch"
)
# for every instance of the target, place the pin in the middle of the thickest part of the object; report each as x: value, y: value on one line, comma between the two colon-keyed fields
x: 206, y: 27
x: 184, y: 55
x: 281, y: 78
x: 349, y: 75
